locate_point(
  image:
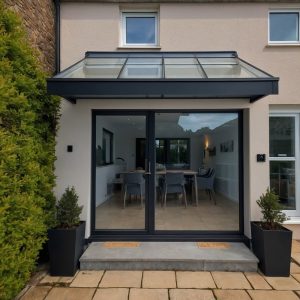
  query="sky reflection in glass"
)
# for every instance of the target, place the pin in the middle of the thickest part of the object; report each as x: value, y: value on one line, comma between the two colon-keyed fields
x: 284, y: 27
x: 140, y: 30
x: 195, y: 122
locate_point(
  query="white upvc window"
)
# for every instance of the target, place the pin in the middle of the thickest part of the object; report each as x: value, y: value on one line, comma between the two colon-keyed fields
x: 139, y: 29
x: 284, y: 27
x: 284, y: 160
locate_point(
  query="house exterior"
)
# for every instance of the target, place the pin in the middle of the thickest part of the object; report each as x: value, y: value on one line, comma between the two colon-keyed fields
x: 164, y: 88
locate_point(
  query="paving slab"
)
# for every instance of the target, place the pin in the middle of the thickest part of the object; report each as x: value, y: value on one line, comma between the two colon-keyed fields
x: 36, y: 293
x: 295, y: 246
x: 67, y: 279
x: 185, y: 256
x: 283, y: 283
x: 272, y: 295
x: 191, y: 294
x: 50, y: 280
x: 159, y: 279
x: 294, y: 269
x: 296, y: 257
x: 231, y: 294
x: 126, y: 279
x: 148, y: 294
x: 87, y: 279
x: 111, y: 294
x: 200, y: 280
x: 67, y: 293
x: 257, y: 281
x: 231, y: 280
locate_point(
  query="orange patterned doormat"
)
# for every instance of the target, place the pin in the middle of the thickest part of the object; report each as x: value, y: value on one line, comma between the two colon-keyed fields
x: 215, y: 245
x: 121, y: 244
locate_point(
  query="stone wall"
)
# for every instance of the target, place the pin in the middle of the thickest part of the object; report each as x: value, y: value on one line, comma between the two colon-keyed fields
x: 39, y: 19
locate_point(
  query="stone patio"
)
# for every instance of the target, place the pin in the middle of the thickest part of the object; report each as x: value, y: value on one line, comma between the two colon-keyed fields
x: 166, y: 285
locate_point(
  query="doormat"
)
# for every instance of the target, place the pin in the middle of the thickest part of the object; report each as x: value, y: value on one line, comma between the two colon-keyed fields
x: 121, y: 244
x: 214, y: 245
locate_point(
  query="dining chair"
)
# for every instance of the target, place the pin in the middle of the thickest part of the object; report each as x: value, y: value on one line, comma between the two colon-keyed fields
x: 134, y: 184
x: 206, y: 182
x: 174, y: 184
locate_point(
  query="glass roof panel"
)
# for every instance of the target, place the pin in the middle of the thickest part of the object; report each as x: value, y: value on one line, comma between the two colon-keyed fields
x: 162, y: 65
x: 180, y: 61
x: 105, y: 61
x: 183, y: 71
x: 218, y: 61
x: 141, y: 71
x: 227, y: 71
x: 144, y: 61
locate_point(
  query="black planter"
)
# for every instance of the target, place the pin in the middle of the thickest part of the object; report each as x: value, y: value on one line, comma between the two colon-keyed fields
x: 273, y: 249
x: 44, y: 253
x: 65, y: 248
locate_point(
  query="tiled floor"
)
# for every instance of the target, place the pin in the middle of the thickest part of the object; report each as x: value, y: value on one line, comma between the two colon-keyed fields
x: 111, y: 215
x: 168, y: 285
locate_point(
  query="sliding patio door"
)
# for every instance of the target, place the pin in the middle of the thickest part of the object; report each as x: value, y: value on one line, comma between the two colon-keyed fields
x: 135, y: 154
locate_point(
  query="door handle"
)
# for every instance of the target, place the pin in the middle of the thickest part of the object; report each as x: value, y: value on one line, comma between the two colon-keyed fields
x: 148, y: 172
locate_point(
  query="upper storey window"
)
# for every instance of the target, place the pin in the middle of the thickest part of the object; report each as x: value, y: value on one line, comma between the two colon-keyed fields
x: 139, y: 29
x: 284, y: 27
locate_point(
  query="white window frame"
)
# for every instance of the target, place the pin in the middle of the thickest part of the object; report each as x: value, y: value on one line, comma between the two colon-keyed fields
x: 296, y: 212
x: 284, y: 42
x: 144, y: 14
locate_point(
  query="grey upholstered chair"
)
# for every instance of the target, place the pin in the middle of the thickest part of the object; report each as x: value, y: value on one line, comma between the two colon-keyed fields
x: 206, y: 182
x: 134, y: 184
x: 174, y: 183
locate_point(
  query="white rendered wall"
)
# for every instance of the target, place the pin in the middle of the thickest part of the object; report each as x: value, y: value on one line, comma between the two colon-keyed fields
x: 74, y: 169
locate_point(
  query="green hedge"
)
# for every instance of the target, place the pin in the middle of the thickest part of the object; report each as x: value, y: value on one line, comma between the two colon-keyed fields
x: 28, y: 121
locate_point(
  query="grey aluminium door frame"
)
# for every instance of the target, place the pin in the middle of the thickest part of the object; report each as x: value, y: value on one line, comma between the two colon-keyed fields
x: 149, y: 233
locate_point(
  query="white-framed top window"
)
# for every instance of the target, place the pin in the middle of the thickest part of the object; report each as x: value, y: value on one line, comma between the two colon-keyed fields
x: 139, y: 29
x: 284, y: 27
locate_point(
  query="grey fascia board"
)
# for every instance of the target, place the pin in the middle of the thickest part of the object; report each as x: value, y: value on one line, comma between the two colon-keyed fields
x: 138, y: 88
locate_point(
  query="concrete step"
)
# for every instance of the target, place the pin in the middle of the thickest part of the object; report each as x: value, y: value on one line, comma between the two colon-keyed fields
x: 188, y: 256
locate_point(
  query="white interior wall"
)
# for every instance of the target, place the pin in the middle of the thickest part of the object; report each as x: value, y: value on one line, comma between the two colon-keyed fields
x: 225, y: 163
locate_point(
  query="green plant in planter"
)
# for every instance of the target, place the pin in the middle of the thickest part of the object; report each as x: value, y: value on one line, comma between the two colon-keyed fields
x: 66, y: 241
x: 271, y: 210
x: 68, y: 210
x: 271, y: 242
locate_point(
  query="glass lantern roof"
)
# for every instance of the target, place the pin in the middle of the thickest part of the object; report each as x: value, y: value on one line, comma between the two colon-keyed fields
x: 162, y: 66
x: 162, y: 75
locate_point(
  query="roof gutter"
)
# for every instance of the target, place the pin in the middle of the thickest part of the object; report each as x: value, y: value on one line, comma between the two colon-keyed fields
x: 57, y: 35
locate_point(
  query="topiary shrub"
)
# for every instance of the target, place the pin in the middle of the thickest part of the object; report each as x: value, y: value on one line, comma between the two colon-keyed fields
x: 28, y: 121
x: 271, y: 210
x: 68, y: 210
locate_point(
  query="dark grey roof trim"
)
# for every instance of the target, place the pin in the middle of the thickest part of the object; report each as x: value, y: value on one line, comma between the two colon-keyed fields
x: 204, y: 88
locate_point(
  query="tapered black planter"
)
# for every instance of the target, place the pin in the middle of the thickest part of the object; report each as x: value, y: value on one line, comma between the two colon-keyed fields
x: 65, y: 248
x: 273, y: 249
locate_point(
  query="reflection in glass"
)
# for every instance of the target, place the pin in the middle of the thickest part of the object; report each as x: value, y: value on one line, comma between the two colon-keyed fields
x: 183, y: 71
x: 140, y: 30
x: 192, y: 147
x: 282, y: 181
x: 120, y: 181
x: 284, y: 26
x: 282, y: 136
x: 141, y: 71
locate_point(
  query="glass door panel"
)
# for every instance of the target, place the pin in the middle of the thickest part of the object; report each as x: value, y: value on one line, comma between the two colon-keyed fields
x: 120, y: 179
x: 197, y: 171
